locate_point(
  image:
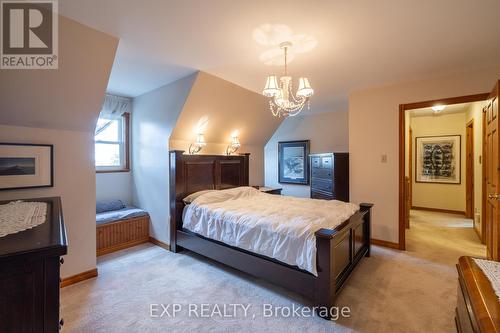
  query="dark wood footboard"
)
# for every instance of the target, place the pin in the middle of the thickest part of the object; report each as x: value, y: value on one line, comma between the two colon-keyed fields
x: 338, y: 252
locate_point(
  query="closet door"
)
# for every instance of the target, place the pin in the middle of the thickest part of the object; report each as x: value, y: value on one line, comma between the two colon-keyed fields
x: 492, y: 179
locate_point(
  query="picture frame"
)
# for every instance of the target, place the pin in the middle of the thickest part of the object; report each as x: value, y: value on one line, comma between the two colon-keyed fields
x: 293, y: 162
x: 438, y: 159
x: 24, y: 165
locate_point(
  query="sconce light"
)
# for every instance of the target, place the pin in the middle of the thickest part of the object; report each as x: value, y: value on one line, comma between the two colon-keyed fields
x: 196, y: 147
x: 234, y: 145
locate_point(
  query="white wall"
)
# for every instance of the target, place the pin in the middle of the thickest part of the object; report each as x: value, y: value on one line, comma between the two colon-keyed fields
x: 155, y: 115
x: 374, y: 130
x: 327, y: 131
x: 441, y: 196
x: 74, y: 182
x: 61, y: 108
x: 114, y: 185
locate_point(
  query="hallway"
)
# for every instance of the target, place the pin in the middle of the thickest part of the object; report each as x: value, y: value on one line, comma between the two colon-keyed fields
x: 442, y: 237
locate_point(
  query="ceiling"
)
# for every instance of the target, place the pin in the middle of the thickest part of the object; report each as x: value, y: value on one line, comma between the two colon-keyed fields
x: 449, y: 109
x: 359, y: 43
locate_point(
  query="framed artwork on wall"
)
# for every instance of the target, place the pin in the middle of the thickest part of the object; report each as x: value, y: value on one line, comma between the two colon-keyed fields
x: 293, y: 162
x: 26, y: 166
x: 437, y: 159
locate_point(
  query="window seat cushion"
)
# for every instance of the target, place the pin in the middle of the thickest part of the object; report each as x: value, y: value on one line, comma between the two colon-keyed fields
x: 121, y: 214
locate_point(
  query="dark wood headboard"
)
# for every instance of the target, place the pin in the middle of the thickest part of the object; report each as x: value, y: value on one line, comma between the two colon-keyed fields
x: 193, y: 173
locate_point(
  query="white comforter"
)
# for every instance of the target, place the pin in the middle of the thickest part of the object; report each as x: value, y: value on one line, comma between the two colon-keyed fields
x: 276, y: 226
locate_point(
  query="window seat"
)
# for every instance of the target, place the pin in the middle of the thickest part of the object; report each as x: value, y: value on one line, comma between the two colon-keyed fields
x: 121, y: 228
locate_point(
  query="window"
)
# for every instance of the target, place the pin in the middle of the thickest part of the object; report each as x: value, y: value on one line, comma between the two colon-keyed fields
x: 111, y: 144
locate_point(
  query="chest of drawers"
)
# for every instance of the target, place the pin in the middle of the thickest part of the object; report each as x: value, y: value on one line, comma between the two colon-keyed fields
x: 330, y: 176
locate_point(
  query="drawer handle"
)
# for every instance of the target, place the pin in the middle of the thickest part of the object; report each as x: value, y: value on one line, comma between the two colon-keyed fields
x: 61, y: 323
x: 61, y: 260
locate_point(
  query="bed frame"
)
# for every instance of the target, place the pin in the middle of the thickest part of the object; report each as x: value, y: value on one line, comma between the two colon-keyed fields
x: 339, y: 250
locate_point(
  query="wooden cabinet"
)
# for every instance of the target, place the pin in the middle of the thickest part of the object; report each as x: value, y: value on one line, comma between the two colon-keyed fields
x: 478, y: 308
x: 29, y: 274
x: 330, y: 176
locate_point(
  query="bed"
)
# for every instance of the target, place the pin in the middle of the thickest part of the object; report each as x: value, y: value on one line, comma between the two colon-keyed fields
x: 338, y: 250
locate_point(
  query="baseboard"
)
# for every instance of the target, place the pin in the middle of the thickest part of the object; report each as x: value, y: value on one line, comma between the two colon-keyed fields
x: 159, y: 243
x: 438, y: 210
x: 119, y: 247
x: 384, y: 243
x: 79, y: 277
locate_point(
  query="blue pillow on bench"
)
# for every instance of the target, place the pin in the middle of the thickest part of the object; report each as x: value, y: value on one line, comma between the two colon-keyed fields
x: 108, y: 206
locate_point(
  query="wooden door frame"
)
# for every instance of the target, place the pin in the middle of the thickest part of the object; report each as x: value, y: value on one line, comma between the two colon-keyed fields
x: 469, y: 172
x: 483, y: 178
x: 402, y: 109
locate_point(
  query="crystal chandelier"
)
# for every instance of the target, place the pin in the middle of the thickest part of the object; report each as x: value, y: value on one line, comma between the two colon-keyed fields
x: 282, y: 101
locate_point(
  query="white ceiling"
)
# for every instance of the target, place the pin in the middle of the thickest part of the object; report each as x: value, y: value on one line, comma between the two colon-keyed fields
x: 359, y: 43
x: 449, y: 109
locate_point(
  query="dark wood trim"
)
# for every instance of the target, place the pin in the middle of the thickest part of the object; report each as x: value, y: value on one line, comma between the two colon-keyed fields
x: 339, y: 250
x: 401, y: 115
x: 438, y: 210
x: 383, y: 243
x: 159, y: 243
x: 112, y: 171
x: 126, y: 168
x: 79, y: 277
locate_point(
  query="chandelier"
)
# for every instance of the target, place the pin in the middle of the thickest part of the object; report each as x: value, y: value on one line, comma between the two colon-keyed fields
x: 282, y: 101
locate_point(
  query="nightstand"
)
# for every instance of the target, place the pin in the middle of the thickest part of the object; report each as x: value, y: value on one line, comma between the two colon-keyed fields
x: 269, y: 190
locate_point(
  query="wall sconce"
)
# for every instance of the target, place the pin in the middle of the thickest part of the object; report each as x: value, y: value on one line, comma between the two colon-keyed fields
x: 196, y: 147
x: 234, y: 145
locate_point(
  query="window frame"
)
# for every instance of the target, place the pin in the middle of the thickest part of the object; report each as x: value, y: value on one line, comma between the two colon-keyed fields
x: 126, y: 150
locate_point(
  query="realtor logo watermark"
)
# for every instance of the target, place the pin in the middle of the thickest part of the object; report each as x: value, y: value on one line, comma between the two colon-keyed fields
x: 29, y: 34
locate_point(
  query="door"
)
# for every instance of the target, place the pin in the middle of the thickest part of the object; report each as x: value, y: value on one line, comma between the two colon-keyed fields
x: 469, y: 171
x: 492, y: 179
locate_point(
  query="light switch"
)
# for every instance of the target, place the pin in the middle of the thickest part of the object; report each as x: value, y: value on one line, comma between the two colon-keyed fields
x: 383, y: 158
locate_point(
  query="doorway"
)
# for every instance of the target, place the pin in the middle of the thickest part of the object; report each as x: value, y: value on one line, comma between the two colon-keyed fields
x: 469, y: 172
x: 403, y: 158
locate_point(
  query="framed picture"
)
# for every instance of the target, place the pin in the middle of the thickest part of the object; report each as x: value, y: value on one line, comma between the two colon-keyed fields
x: 293, y: 162
x: 26, y: 166
x: 437, y: 159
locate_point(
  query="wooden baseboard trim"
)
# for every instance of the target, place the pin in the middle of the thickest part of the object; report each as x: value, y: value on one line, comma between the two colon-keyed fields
x: 119, y: 247
x: 384, y: 243
x: 159, y: 243
x: 438, y: 210
x: 79, y: 277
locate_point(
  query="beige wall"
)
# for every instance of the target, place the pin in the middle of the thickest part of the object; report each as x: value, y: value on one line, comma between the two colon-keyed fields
x: 373, y: 131
x: 327, y: 131
x: 475, y: 113
x: 61, y: 108
x: 441, y: 196
x: 74, y: 182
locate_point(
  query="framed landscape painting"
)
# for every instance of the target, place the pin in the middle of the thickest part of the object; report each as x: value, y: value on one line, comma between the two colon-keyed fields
x: 25, y: 166
x: 293, y: 162
x: 438, y: 159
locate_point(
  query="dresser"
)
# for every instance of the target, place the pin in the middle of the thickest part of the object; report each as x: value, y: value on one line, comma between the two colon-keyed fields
x: 330, y: 176
x: 29, y: 274
x: 477, y: 308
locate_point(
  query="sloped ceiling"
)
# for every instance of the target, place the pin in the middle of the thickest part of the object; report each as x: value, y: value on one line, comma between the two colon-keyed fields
x: 223, y: 108
x: 67, y: 98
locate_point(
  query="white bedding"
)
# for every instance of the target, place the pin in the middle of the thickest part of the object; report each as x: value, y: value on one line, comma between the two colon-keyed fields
x: 276, y: 226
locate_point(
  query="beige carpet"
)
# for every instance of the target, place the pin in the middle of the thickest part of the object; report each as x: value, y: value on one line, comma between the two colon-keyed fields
x: 412, y: 291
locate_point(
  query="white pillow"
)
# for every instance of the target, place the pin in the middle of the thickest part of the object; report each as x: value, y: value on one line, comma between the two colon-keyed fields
x: 190, y: 198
